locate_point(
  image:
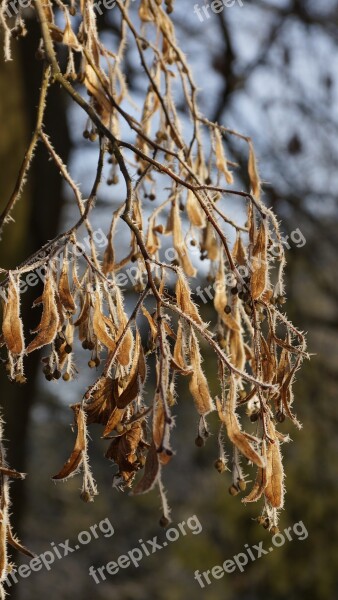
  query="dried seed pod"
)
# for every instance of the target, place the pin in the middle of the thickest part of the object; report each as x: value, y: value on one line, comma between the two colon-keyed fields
x: 219, y: 465
x: 233, y: 490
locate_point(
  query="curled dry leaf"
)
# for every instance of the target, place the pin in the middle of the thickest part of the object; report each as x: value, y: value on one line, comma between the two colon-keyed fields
x: 125, y: 451
x: 255, y: 180
x: 12, y: 328
x: 198, y: 385
x: 152, y: 324
x: 210, y: 244
x: 238, y: 251
x: 100, y: 323
x: 151, y: 472
x: 101, y: 402
x: 240, y: 439
x: 76, y: 458
x: 48, y: 327
x: 259, y: 278
x: 195, y: 213
x: 178, y: 359
x: 274, y: 490
x: 221, y: 161
x: 184, y: 300
x: 65, y: 294
x: 260, y: 481
x: 161, y: 431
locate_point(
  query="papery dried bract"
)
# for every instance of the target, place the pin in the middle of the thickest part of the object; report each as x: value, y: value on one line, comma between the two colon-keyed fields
x: 253, y: 173
x: 184, y: 300
x: 49, y: 324
x: 259, y: 278
x: 240, y: 439
x: 151, y: 472
x: 274, y: 490
x: 12, y: 328
x: 198, y: 385
x: 76, y: 458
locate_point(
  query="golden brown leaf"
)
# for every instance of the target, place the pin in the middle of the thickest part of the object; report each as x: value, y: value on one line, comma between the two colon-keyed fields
x: 259, y: 278
x: 124, y: 449
x: 194, y: 211
x: 12, y: 329
x: 198, y: 385
x: 49, y: 324
x: 221, y: 161
x: 184, y: 299
x: 101, y: 402
x: 255, y: 180
x: 76, y: 458
x: 65, y: 294
x: 274, y: 491
x: 240, y: 439
x: 260, y: 482
x: 151, y: 472
x: 99, y: 325
x: 238, y: 252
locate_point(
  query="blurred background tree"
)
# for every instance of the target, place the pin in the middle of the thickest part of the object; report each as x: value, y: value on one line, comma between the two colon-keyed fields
x: 268, y: 70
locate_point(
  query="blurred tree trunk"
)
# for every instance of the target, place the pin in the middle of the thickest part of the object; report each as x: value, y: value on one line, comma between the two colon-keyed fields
x: 37, y: 217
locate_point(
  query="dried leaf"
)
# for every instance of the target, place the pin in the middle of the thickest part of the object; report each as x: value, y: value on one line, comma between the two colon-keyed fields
x: 198, y: 385
x: 76, y: 458
x: 236, y: 436
x: 238, y: 252
x: 69, y: 37
x: 12, y: 329
x: 210, y: 244
x: 99, y: 325
x: 124, y: 449
x: 221, y: 161
x: 151, y: 472
x: 259, y: 278
x: 255, y: 180
x: 99, y: 406
x: 65, y: 294
x: 49, y: 324
x: 179, y: 362
x: 184, y: 299
x: 194, y: 211
x: 115, y: 419
x: 152, y: 324
x: 274, y: 491
x: 260, y: 482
